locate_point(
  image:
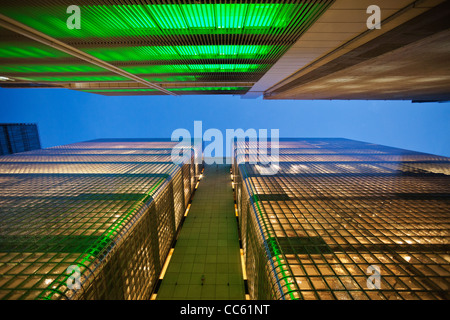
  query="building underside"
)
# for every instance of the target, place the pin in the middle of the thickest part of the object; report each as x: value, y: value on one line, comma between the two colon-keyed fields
x: 312, y: 49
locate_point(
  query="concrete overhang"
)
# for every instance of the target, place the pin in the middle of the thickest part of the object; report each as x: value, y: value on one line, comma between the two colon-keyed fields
x: 340, y: 30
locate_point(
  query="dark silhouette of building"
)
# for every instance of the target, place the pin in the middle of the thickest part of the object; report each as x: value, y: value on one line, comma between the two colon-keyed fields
x: 18, y: 137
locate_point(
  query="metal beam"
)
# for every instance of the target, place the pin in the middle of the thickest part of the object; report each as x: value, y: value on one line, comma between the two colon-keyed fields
x: 31, y: 33
x: 166, y: 85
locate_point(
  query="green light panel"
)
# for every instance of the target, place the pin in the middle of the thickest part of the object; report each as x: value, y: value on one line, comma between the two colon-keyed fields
x: 181, y: 52
x: 19, y: 50
x: 155, y: 69
x: 144, y: 20
x: 191, y: 68
x: 171, y: 78
x: 75, y: 78
x: 50, y: 68
x: 217, y: 16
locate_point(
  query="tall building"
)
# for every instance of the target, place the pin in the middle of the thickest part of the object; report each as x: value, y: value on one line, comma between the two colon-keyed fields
x: 310, y: 49
x: 343, y: 219
x: 340, y: 219
x: 18, y: 137
x: 102, y: 212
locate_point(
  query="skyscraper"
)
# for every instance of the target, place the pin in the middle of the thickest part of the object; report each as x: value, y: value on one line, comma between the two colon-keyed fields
x: 311, y: 49
x: 18, y: 137
x: 343, y: 219
x: 100, y: 215
x: 340, y: 219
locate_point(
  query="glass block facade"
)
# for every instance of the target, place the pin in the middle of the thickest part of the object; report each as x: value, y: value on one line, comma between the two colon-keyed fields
x: 108, y: 207
x: 344, y: 220
x: 18, y: 137
x: 200, y: 45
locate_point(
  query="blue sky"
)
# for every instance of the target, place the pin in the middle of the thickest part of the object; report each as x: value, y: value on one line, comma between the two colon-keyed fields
x: 65, y: 116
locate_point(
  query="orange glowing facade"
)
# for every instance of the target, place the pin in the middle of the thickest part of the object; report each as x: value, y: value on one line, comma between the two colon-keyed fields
x: 109, y: 208
x: 337, y: 210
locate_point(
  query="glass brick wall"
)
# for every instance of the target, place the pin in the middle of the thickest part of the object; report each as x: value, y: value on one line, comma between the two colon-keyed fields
x: 339, y: 214
x: 110, y: 208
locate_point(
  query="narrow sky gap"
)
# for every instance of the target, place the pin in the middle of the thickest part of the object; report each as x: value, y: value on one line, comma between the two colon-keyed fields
x: 64, y: 116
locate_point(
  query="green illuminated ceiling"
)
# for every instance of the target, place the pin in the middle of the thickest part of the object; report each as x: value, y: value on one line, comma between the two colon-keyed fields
x: 74, y: 78
x: 176, y: 42
x: 142, y: 53
x: 174, y: 78
x: 135, y: 20
x: 50, y: 68
x: 29, y: 50
x: 191, y: 68
x: 146, y: 69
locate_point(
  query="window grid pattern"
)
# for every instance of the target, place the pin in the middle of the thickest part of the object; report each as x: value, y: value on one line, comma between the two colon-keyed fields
x: 74, y: 158
x: 115, y: 220
x: 18, y: 137
x: 332, y: 218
